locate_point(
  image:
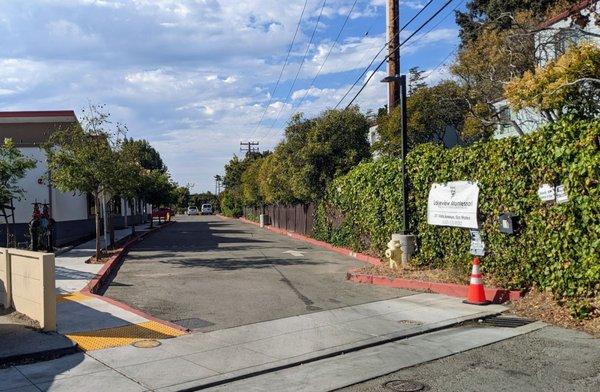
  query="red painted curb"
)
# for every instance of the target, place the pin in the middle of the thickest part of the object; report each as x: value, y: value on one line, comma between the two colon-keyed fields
x: 94, y: 284
x: 455, y: 290
x: 495, y: 295
x: 321, y: 244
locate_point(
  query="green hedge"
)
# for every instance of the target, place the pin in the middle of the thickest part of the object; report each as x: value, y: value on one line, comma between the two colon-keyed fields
x: 559, y: 245
x: 231, y: 204
x: 369, y: 197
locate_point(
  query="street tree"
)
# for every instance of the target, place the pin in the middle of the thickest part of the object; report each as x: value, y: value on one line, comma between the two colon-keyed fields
x: 336, y: 141
x: 498, y: 15
x: 432, y: 112
x: 567, y: 85
x: 147, y: 160
x: 13, y: 167
x: 148, y: 157
x: 127, y: 182
x: 82, y: 158
x: 158, y: 188
x: 251, y: 194
x: 198, y: 199
x: 274, y: 181
x: 416, y: 79
x: 484, y: 66
x: 182, y: 197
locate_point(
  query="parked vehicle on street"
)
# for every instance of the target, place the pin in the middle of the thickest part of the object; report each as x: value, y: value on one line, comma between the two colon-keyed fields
x: 192, y: 210
x: 162, y: 212
x: 206, y: 209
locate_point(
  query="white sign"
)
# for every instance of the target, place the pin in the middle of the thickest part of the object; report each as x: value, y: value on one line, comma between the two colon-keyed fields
x: 453, y: 204
x: 546, y: 192
x: 561, y: 195
x: 477, y: 245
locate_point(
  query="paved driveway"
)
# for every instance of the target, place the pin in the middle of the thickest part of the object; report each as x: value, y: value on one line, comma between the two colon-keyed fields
x: 208, y: 273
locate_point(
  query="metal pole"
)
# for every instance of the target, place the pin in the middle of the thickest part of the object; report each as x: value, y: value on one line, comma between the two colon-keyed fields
x: 404, y: 129
x: 104, y: 217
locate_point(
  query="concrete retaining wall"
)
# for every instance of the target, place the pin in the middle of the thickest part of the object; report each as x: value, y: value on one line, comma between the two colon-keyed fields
x: 27, y: 285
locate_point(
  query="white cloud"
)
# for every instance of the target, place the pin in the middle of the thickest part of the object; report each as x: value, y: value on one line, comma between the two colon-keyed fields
x: 191, y: 76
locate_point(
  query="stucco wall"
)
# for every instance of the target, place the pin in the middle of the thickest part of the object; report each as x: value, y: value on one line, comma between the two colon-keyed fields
x: 65, y: 206
x: 29, y: 284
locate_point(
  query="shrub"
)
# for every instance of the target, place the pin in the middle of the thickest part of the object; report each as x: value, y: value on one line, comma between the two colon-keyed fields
x: 362, y: 208
x: 558, y: 246
x: 231, y: 204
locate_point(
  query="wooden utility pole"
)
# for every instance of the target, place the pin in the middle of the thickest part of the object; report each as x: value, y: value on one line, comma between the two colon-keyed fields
x: 393, y: 36
x: 249, y: 147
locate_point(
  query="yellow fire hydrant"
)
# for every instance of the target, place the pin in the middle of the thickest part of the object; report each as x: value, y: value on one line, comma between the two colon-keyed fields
x: 394, y: 253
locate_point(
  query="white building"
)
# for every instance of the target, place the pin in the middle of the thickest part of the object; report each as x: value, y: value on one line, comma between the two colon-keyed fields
x: 579, y: 23
x: 73, y: 212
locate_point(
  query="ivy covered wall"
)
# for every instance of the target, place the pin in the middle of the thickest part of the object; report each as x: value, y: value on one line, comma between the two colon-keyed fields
x: 558, y: 247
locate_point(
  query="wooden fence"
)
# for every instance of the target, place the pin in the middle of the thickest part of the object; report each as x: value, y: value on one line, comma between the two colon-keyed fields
x: 298, y: 218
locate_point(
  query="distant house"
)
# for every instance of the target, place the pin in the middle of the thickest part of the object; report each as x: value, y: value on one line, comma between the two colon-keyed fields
x: 73, y: 212
x: 579, y: 23
x: 373, y: 137
x: 451, y: 139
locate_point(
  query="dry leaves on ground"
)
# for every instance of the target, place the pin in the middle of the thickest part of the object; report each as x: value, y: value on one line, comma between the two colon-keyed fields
x: 104, y: 257
x: 543, y: 306
x: 429, y: 275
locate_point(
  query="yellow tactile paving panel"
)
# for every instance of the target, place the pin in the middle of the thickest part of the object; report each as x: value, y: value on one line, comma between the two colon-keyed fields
x: 123, y: 336
x: 75, y: 297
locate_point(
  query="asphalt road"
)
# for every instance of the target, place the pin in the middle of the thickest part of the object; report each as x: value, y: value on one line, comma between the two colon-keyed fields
x: 551, y: 360
x: 208, y: 273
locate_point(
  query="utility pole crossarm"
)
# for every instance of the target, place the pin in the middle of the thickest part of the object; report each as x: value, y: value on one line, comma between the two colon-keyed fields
x: 249, y: 147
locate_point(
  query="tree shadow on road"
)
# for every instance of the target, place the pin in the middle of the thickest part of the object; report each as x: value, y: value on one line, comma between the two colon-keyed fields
x: 195, y: 237
x: 231, y: 264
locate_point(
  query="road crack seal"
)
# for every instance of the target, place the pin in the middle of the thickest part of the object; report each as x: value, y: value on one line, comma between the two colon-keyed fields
x: 310, y: 305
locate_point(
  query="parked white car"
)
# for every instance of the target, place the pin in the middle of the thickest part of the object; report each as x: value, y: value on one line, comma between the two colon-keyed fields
x: 206, y: 209
x: 192, y: 210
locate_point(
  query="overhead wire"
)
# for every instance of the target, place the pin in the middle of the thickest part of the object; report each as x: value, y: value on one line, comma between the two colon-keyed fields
x: 282, y: 68
x: 300, y: 67
x: 380, y: 51
x: 335, y: 41
x: 399, y: 46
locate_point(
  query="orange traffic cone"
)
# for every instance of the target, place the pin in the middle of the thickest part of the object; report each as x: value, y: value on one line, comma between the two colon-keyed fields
x: 476, y: 294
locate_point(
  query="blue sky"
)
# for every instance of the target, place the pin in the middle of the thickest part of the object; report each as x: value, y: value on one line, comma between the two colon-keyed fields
x: 194, y: 77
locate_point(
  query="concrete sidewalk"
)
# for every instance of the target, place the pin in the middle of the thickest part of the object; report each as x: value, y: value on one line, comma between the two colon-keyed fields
x: 88, y: 321
x: 205, y: 359
x: 341, y: 371
x: 94, y: 322
x: 72, y: 272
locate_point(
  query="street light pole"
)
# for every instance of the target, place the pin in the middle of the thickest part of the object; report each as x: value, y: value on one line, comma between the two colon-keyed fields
x: 404, y: 128
x: 407, y: 240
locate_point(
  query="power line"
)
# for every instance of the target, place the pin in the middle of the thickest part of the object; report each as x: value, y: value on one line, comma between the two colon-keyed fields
x: 442, y: 63
x: 435, y: 25
x: 335, y: 41
x: 381, y: 50
x: 300, y: 67
x: 401, y: 44
x: 282, y: 68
